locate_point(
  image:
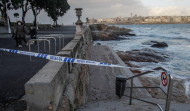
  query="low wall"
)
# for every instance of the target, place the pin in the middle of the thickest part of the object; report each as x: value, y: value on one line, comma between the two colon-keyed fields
x: 61, y: 86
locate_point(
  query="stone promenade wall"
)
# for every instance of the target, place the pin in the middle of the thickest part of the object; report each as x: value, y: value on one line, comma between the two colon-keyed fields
x: 61, y: 86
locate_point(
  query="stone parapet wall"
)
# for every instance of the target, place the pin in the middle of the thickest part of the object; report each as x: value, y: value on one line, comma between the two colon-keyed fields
x: 61, y: 86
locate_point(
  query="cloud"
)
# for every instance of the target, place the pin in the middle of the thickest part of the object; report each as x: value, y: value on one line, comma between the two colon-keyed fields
x: 169, y: 11
x: 105, y: 9
x: 115, y: 8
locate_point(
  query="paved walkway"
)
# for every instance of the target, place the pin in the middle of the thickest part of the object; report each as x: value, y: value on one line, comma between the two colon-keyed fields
x: 16, y: 70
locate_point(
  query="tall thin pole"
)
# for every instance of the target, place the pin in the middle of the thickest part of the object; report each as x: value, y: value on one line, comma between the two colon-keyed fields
x: 9, y: 28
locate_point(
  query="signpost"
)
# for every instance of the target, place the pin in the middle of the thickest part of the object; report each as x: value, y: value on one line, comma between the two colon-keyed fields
x: 164, y: 81
x: 166, y: 84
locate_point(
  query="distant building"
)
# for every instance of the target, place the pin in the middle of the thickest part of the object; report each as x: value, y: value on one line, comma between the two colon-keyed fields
x: 177, y: 19
x: 93, y: 21
x: 188, y: 19
x: 145, y: 20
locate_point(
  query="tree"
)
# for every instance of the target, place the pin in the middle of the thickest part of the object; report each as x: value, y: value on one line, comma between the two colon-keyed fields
x: 3, y: 9
x: 24, y: 5
x: 56, y: 8
x: 37, y: 6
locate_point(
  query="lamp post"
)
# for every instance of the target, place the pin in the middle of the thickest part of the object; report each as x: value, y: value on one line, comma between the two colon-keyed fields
x: 8, y: 19
x: 79, y: 22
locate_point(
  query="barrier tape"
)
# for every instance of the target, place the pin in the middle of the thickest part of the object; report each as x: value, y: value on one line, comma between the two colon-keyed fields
x: 59, y: 58
x: 67, y: 59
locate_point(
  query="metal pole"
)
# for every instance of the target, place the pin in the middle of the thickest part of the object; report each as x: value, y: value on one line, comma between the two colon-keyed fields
x: 49, y: 40
x: 30, y: 50
x: 9, y: 29
x: 44, y: 46
x: 131, y: 91
x: 38, y: 47
x: 55, y: 46
x: 63, y: 40
x: 49, y: 46
x: 38, y: 42
x: 59, y: 43
x: 169, y: 95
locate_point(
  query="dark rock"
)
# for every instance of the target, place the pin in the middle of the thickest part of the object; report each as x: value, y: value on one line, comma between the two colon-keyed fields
x: 98, y: 44
x: 106, y: 32
x: 156, y: 44
x: 159, y: 44
x: 143, y: 55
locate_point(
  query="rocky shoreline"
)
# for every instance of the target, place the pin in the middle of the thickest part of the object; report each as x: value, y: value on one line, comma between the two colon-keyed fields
x: 152, y: 56
x: 105, y: 32
x: 149, y: 55
x: 144, y: 55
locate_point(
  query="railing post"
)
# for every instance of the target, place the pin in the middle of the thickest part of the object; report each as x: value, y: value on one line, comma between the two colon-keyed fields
x: 169, y: 93
x: 30, y: 51
x: 131, y: 92
x: 38, y: 46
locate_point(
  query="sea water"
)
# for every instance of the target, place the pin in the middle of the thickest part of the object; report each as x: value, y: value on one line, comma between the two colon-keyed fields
x: 177, y: 36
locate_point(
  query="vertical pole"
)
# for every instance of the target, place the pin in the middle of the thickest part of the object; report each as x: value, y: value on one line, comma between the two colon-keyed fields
x: 49, y: 46
x: 131, y: 91
x: 44, y: 46
x: 30, y: 51
x: 169, y: 93
x: 59, y: 42
x: 38, y: 47
x: 63, y: 40
x: 55, y: 45
x: 8, y: 19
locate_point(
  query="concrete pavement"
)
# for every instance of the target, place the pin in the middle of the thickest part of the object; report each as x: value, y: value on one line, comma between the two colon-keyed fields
x: 16, y: 70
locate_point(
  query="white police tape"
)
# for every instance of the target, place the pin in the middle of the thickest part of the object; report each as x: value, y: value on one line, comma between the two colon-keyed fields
x: 60, y: 59
x: 71, y: 60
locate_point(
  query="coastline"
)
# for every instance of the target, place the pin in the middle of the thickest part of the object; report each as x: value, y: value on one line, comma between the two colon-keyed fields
x: 141, y: 23
x: 183, y: 91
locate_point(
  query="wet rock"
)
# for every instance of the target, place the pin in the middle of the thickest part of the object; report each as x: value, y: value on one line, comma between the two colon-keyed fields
x: 156, y: 44
x: 178, y: 93
x: 106, y: 32
x: 159, y: 44
x: 98, y: 44
x: 143, y: 55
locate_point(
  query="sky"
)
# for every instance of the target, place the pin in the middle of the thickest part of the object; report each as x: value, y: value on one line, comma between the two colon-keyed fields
x: 118, y: 8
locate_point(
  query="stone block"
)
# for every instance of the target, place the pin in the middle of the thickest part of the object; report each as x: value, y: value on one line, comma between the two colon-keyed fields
x: 44, y: 90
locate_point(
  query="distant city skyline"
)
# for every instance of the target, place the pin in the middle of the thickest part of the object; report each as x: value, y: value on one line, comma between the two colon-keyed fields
x: 144, y: 20
x: 115, y: 8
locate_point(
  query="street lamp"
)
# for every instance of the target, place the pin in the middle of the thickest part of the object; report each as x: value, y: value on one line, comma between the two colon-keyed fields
x: 8, y: 19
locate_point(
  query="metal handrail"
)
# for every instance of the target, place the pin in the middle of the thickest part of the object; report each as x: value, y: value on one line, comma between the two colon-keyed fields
x: 147, y: 72
x: 49, y: 38
x: 60, y: 36
x: 38, y: 40
x: 168, y: 94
